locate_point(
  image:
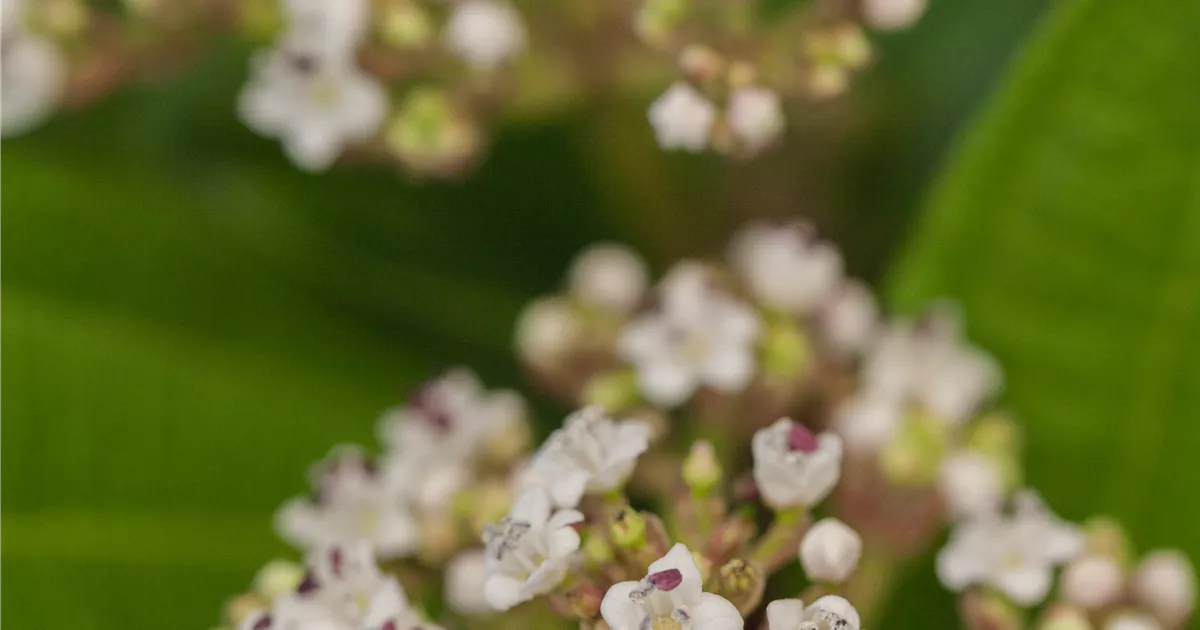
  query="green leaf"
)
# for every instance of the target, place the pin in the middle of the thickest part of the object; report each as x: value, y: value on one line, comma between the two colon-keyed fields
x: 1068, y: 225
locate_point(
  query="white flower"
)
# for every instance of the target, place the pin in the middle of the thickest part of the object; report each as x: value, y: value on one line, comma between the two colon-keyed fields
x: 890, y: 15
x: 1133, y: 621
x: 826, y: 613
x: 970, y: 485
x: 830, y: 551
x: 314, y: 103
x: 671, y: 592
x: 1165, y: 584
x: 697, y: 337
x: 1015, y: 554
x: 793, y: 467
x: 333, y: 28
x: 849, y: 320
x: 1092, y: 581
x: 465, y: 576
x: 931, y: 364
x: 755, y: 116
x: 785, y: 267
x: 546, y: 330
x: 351, y: 501
x: 591, y: 453
x: 33, y: 74
x: 450, y: 420
x: 485, y: 33
x: 611, y: 277
x: 682, y: 118
x: 867, y: 420
x: 529, y: 551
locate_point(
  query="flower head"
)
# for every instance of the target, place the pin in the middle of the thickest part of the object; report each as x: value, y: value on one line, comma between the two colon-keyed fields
x: 1015, y: 553
x: 485, y: 33
x: 793, y: 467
x: 682, y: 118
x: 351, y: 501
x: 826, y: 613
x: 697, y: 337
x: 529, y: 551
x: 670, y: 596
x: 315, y: 102
x: 591, y: 453
x: 755, y: 116
x: 786, y: 267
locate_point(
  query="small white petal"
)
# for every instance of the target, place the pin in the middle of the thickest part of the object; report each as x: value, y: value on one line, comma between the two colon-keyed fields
x: 502, y: 591
x: 682, y: 119
x: 785, y: 614
x: 485, y: 33
x: 679, y: 557
x: 618, y: 610
x: 714, y: 612
x: 755, y: 115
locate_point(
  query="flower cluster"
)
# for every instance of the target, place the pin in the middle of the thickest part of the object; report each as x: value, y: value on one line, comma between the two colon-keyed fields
x: 414, y: 82
x: 716, y: 412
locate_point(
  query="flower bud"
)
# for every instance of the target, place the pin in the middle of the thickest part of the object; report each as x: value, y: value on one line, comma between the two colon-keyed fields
x: 464, y: 583
x: 700, y: 63
x: 241, y: 607
x: 628, y: 528
x: 914, y: 455
x: 429, y: 135
x: 547, y: 329
x: 1106, y: 537
x: 405, y: 24
x: 596, y: 551
x: 970, y: 485
x: 830, y: 551
x: 1064, y: 617
x: 609, y: 277
x: 614, y: 391
x: 701, y: 469
x: 742, y: 583
x: 656, y: 20
x: 892, y: 15
x: 438, y: 538
x: 581, y: 602
x: 988, y: 610
x: 786, y: 350
x: 1093, y: 581
x: 755, y: 115
x: 1165, y: 584
x: 278, y: 577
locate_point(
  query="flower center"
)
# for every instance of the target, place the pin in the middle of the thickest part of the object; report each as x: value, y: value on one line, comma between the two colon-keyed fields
x: 800, y: 439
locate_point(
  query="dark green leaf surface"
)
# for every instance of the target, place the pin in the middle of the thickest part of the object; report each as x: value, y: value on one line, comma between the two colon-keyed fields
x: 1069, y: 227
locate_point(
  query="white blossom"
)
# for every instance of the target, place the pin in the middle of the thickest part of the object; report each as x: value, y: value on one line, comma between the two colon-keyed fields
x: 970, y: 485
x: 1092, y: 581
x: 608, y: 276
x: 591, y: 453
x: 315, y: 103
x: 485, y: 33
x: 698, y: 336
x: 328, y: 28
x: 794, y: 468
x: 891, y: 15
x: 1015, y: 553
x: 830, y: 612
x: 529, y: 551
x: 351, y: 501
x: 829, y: 551
x: 931, y: 364
x: 465, y: 577
x: 671, y: 595
x: 849, y: 320
x: 33, y: 74
x: 1165, y: 584
x: 786, y: 267
x: 755, y: 115
x: 682, y: 118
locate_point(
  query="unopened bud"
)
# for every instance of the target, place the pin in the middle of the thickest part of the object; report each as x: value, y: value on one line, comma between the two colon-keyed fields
x: 614, y: 391
x: 405, y: 24
x: 59, y: 18
x: 512, y: 441
x: 1106, y: 537
x: 786, y: 349
x: 582, y: 601
x: 891, y: 15
x: 596, y: 551
x: 628, y: 528
x: 439, y: 539
x: 988, y: 610
x: 608, y: 276
x: 731, y: 535
x: 701, y: 469
x: 1093, y: 581
x: 465, y: 575
x: 429, y: 135
x: 1165, y: 584
x: 242, y: 607
x: 830, y: 551
x: 656, y: 20
x: 700, y: 63
x: 914, y: 455
x: 277, y: 578
x: 742, y: 583
x: 547, y: 329
x: 1064, y: 617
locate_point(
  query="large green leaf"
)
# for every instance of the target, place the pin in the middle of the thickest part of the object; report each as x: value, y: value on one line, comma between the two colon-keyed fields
x: 1068, y: 225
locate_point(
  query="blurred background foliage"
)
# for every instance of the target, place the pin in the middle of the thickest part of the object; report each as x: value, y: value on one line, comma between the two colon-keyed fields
x: 189, y: 321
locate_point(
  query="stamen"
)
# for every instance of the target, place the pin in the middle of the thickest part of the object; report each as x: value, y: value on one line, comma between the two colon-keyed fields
x: 262, y: 623
x: 335, y: 561
x: 800, y: 439
x: 667, y: 580
x: 308, y: 584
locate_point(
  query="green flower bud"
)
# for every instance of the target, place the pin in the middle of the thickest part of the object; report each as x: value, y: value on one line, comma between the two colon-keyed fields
x: 1106, y: 537
x: 628, y: 529
x: 786, y: 350
x: 915, y: 454
x: 658, y: 18
x: 614, y: 391
x: 405, y: 24
x: 278, y: 577
x: 742, y: 583
x: 429, y: 135
x: 701, y: 469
